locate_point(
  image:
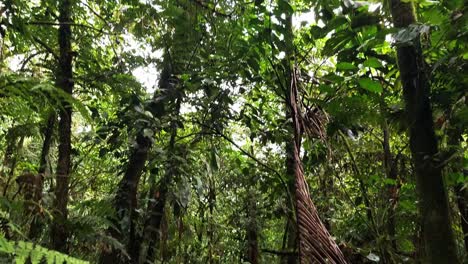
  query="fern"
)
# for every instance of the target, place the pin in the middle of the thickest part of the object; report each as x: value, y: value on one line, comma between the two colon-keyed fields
x: 21, y: 251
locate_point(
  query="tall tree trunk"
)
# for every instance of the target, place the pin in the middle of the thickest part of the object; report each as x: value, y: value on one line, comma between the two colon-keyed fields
x: 291, y: 230
x: 454, y: 135
x: 315, y: 243
x: 153, y: 223
x: 313, y: 240
x: 37, y: 224
x: 253, y: 254
x: 64, y: 80
x: 439, y: 243
x: 290, y: 242
x: 125, y: 201
x: 12, y: 153
x: 391, y: 172
x: 8, y: 157
x: 156, y: 205
x: 462, y: 201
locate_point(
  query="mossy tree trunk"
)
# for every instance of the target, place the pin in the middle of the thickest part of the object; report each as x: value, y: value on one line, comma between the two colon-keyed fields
x: 437, y: 235
x: 37, y: 223
x: 64, y: 81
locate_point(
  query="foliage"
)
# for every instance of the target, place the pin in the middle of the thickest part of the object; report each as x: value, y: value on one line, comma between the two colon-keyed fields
x: 22, y: 252
x: 219, y: 128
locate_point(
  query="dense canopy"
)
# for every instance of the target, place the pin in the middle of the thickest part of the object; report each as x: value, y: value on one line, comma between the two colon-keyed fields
x: 233, y: 131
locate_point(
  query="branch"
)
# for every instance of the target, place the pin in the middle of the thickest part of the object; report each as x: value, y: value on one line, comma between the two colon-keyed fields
x: 95, y: 13
x: 39, y: 41
x: 28, y: 59
x: 45, y: 46
x: 358, y: 175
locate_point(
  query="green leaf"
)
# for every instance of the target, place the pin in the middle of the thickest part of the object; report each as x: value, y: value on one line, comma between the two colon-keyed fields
x: 285, y: 7
x: 370, y: 85
x: 5, y: 245
x: 345, y: 66
x: 465, y: 56
x: 318, y: 32
x: 373, y: 63
x: 337, y: 42
x: 325, y: 88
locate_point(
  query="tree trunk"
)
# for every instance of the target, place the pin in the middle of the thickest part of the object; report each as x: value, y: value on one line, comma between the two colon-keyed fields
x: 291, y: 230
x: 125, y: 201
x: 153, y: 223
x: 315, y: 245
x: 157, y: 204
x: 462, y: 202
x: 37, y: 224
x: 64, y: 80
x: 291, y: 235
x: 8, y: 158
x: 391, y: 172
x: 253, y: 254
x: 455, y: 137
x: 439, y: 243
x: 12, y: 153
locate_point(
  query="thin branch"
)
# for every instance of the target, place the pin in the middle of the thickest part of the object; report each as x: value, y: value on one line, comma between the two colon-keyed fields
x: 45, y: 46
x: 279, y: 78
x: 358, y: 175
x: 95, y: 13
x: 193, y: 134
x: 28, y: 59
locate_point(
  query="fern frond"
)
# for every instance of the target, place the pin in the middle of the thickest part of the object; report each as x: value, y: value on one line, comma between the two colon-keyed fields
x: 21, y: 251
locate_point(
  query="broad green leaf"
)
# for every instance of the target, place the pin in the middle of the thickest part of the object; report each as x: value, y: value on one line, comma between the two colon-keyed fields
x: 373, y: 63
x: 318, y: 32
x: 345, y: 66
x: 370, y: 85
x: 285, y: 7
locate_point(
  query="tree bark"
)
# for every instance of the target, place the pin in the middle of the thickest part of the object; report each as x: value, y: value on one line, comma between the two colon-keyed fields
x: 156, y: 204
x: 8, y: 157
x: 315, y: 245
x: 462, y: 202
x: 439, y: 243
x: 291, y: 230
x: 37, y: 224
x: 12, y: 152
x: 253, y: 253
x: 291, y: 225
x: 125, y: 201
x: 390, y: 163
x: 455, y: 138
x: 153, y: 223
x: 64, y: 80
